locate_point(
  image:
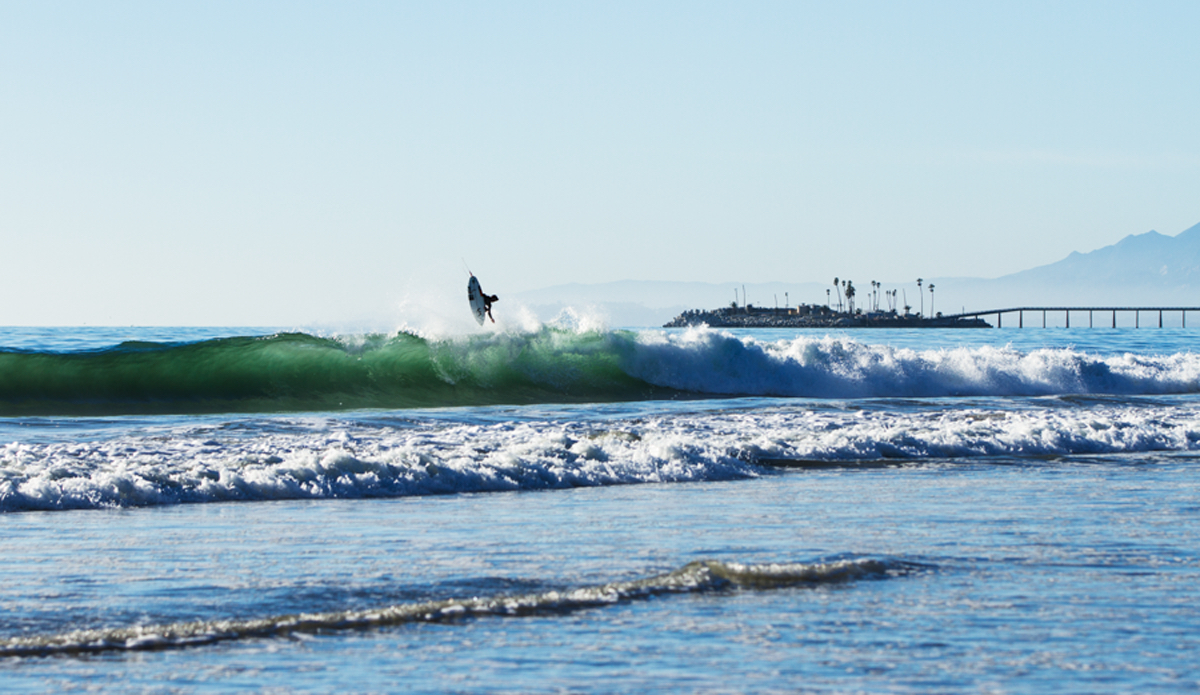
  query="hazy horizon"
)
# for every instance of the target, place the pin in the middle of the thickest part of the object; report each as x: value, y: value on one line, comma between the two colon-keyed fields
x: 323, y: 163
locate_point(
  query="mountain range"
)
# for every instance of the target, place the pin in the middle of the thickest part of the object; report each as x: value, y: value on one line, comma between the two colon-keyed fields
x: 1149, y: 269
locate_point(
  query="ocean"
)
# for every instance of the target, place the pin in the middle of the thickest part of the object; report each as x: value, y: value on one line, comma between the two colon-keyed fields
x: 586, y: 509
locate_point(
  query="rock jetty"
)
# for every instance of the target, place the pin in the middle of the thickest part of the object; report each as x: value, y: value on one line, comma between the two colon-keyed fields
x: 815, y: 316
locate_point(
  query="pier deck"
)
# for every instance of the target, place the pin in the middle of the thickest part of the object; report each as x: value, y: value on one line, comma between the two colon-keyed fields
x: 1091, y: 311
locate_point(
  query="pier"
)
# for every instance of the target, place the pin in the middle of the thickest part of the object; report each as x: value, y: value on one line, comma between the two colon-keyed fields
x: 1091, y: 312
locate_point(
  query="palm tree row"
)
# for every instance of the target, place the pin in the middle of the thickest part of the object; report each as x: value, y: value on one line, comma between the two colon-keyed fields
x: 846, y: 288
x: 843, y: 287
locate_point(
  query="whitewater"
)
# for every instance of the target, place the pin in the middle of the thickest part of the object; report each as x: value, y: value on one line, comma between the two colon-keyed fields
x: 582, y: 508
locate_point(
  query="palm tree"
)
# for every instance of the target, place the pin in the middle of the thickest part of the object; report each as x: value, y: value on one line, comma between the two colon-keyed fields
x: 919, y: 281
x: 850, y: 292
x: 838, y: 287
x: 931, y: 299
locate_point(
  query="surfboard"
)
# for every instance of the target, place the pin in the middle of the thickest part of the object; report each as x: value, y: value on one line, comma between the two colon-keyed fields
x: 475, y: 297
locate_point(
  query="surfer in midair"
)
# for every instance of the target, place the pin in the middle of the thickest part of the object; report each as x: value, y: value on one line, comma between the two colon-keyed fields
x: 481, y: 302
x: 487, y: 303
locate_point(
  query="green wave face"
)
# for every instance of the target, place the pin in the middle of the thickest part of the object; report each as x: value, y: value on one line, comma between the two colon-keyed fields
x: 296, y: 371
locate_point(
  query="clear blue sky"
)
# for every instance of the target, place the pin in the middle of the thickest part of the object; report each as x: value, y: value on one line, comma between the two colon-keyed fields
x: 277, y: 163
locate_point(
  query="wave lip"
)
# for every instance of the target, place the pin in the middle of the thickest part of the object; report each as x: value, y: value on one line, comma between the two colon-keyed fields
x: 703, y: 576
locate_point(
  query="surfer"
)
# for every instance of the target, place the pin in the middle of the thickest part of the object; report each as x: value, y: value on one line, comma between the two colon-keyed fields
x: 481, y: 302
x: 487, y: 303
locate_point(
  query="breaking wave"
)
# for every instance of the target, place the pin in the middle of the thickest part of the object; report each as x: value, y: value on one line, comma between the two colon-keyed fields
x: 300, y: 372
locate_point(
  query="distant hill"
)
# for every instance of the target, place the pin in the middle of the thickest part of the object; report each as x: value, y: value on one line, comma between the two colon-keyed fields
x: 1149, y: 259
x: 1141, y: 269
x: 1144, y: 269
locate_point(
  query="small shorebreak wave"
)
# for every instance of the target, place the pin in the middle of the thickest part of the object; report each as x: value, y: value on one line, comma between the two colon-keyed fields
x: 299, y: 372
x: 705, y: 576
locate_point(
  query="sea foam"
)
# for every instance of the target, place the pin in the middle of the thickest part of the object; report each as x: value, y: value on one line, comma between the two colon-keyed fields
x: 327, y: 457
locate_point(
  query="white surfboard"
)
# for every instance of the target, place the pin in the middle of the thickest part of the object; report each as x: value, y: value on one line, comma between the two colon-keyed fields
x: 475, y: 297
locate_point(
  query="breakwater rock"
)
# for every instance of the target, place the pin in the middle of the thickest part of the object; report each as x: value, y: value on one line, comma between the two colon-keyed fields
x: 810, y: 316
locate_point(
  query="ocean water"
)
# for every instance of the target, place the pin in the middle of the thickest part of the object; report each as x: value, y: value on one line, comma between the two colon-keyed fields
x: 600, y: 510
